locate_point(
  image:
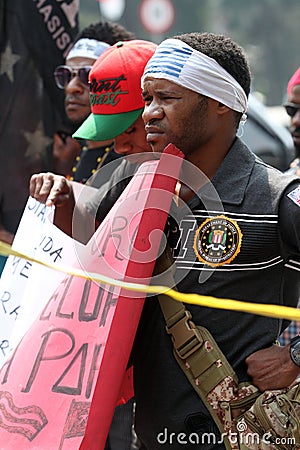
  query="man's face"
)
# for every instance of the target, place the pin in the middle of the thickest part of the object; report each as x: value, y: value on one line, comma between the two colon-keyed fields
x: 174, y: 114
x: 77, y: 93
x: 294, y: 98
x: 133, y: 141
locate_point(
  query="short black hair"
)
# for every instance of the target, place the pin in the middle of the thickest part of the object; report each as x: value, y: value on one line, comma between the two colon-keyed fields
x: 223, y: 50
x: 109, y: 32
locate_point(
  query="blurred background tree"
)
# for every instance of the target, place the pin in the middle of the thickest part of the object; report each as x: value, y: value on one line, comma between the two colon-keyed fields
x: 268, y: 30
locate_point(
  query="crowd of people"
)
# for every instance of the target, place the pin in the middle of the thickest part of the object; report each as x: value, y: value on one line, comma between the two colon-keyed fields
x: 191, y: 90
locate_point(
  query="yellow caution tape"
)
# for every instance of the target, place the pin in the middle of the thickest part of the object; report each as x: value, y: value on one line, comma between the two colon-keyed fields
x: 276, y: 311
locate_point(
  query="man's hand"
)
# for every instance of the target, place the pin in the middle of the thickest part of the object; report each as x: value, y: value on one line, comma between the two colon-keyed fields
x: 50, y: 189
x: 272, y: 368
x: 55, y: 190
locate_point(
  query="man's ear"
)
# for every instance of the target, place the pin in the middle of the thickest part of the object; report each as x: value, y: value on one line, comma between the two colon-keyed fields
x: 222, y: 109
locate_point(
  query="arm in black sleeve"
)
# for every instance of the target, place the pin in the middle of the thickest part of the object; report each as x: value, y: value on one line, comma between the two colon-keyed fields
x: 106, y: 196
x: 289, y: 230
x: 289, y: 219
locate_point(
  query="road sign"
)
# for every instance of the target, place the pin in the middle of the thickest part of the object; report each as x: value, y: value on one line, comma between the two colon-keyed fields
x: 157, y: 16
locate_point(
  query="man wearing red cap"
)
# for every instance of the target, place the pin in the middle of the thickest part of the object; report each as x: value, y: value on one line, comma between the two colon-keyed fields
x: 116, y: 114
x: 292, y: 107
x: 69, y: 160
x: 115, y: 100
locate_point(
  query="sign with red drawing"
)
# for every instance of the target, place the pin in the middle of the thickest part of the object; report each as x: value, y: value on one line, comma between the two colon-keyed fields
x: 60, y: 386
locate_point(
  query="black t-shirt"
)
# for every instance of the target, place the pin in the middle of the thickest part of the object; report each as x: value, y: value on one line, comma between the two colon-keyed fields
x: 262, y: 266
x: 92, y: 159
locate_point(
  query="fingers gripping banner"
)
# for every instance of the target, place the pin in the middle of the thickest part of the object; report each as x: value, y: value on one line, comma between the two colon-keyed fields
x: 64, y: 378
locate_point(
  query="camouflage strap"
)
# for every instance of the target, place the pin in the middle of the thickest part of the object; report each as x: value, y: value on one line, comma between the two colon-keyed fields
x: 203, y: 363
x: 208, y: 370
x: 200, y: 358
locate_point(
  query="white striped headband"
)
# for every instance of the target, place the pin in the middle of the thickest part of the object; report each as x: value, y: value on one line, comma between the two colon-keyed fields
x: 176, y: 61
x: 87, y: 48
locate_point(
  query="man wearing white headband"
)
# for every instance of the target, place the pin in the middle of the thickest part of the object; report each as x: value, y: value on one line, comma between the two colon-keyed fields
x: 195, y: 89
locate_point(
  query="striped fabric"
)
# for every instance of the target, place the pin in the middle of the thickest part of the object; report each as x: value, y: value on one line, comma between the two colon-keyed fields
x: 176, y: 61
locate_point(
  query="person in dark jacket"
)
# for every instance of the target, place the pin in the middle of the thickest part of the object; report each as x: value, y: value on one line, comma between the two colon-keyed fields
x: 195, y: 88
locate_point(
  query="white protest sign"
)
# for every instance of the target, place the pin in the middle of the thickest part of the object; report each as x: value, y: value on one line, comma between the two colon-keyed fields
x: 26, y: 286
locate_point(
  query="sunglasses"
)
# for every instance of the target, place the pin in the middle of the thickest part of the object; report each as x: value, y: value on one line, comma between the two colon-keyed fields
x: 64, y: 74
x: 291, y: 108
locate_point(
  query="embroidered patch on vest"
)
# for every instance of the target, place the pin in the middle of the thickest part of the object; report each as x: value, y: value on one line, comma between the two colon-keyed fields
x: 217, y: 241
x: 295, y: 196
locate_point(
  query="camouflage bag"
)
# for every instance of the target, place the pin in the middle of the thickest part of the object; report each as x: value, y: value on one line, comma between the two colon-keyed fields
x: 273, y: 421
x: 246, y: 418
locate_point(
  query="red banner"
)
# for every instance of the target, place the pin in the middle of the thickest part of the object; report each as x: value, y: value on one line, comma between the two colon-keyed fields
x: 65, y: 377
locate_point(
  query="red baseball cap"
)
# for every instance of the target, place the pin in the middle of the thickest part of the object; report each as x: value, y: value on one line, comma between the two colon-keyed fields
x: 295, y: 79
x: 115, y: 90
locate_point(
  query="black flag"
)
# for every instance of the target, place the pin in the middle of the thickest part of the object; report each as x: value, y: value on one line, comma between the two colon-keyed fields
x: 35, y: 36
